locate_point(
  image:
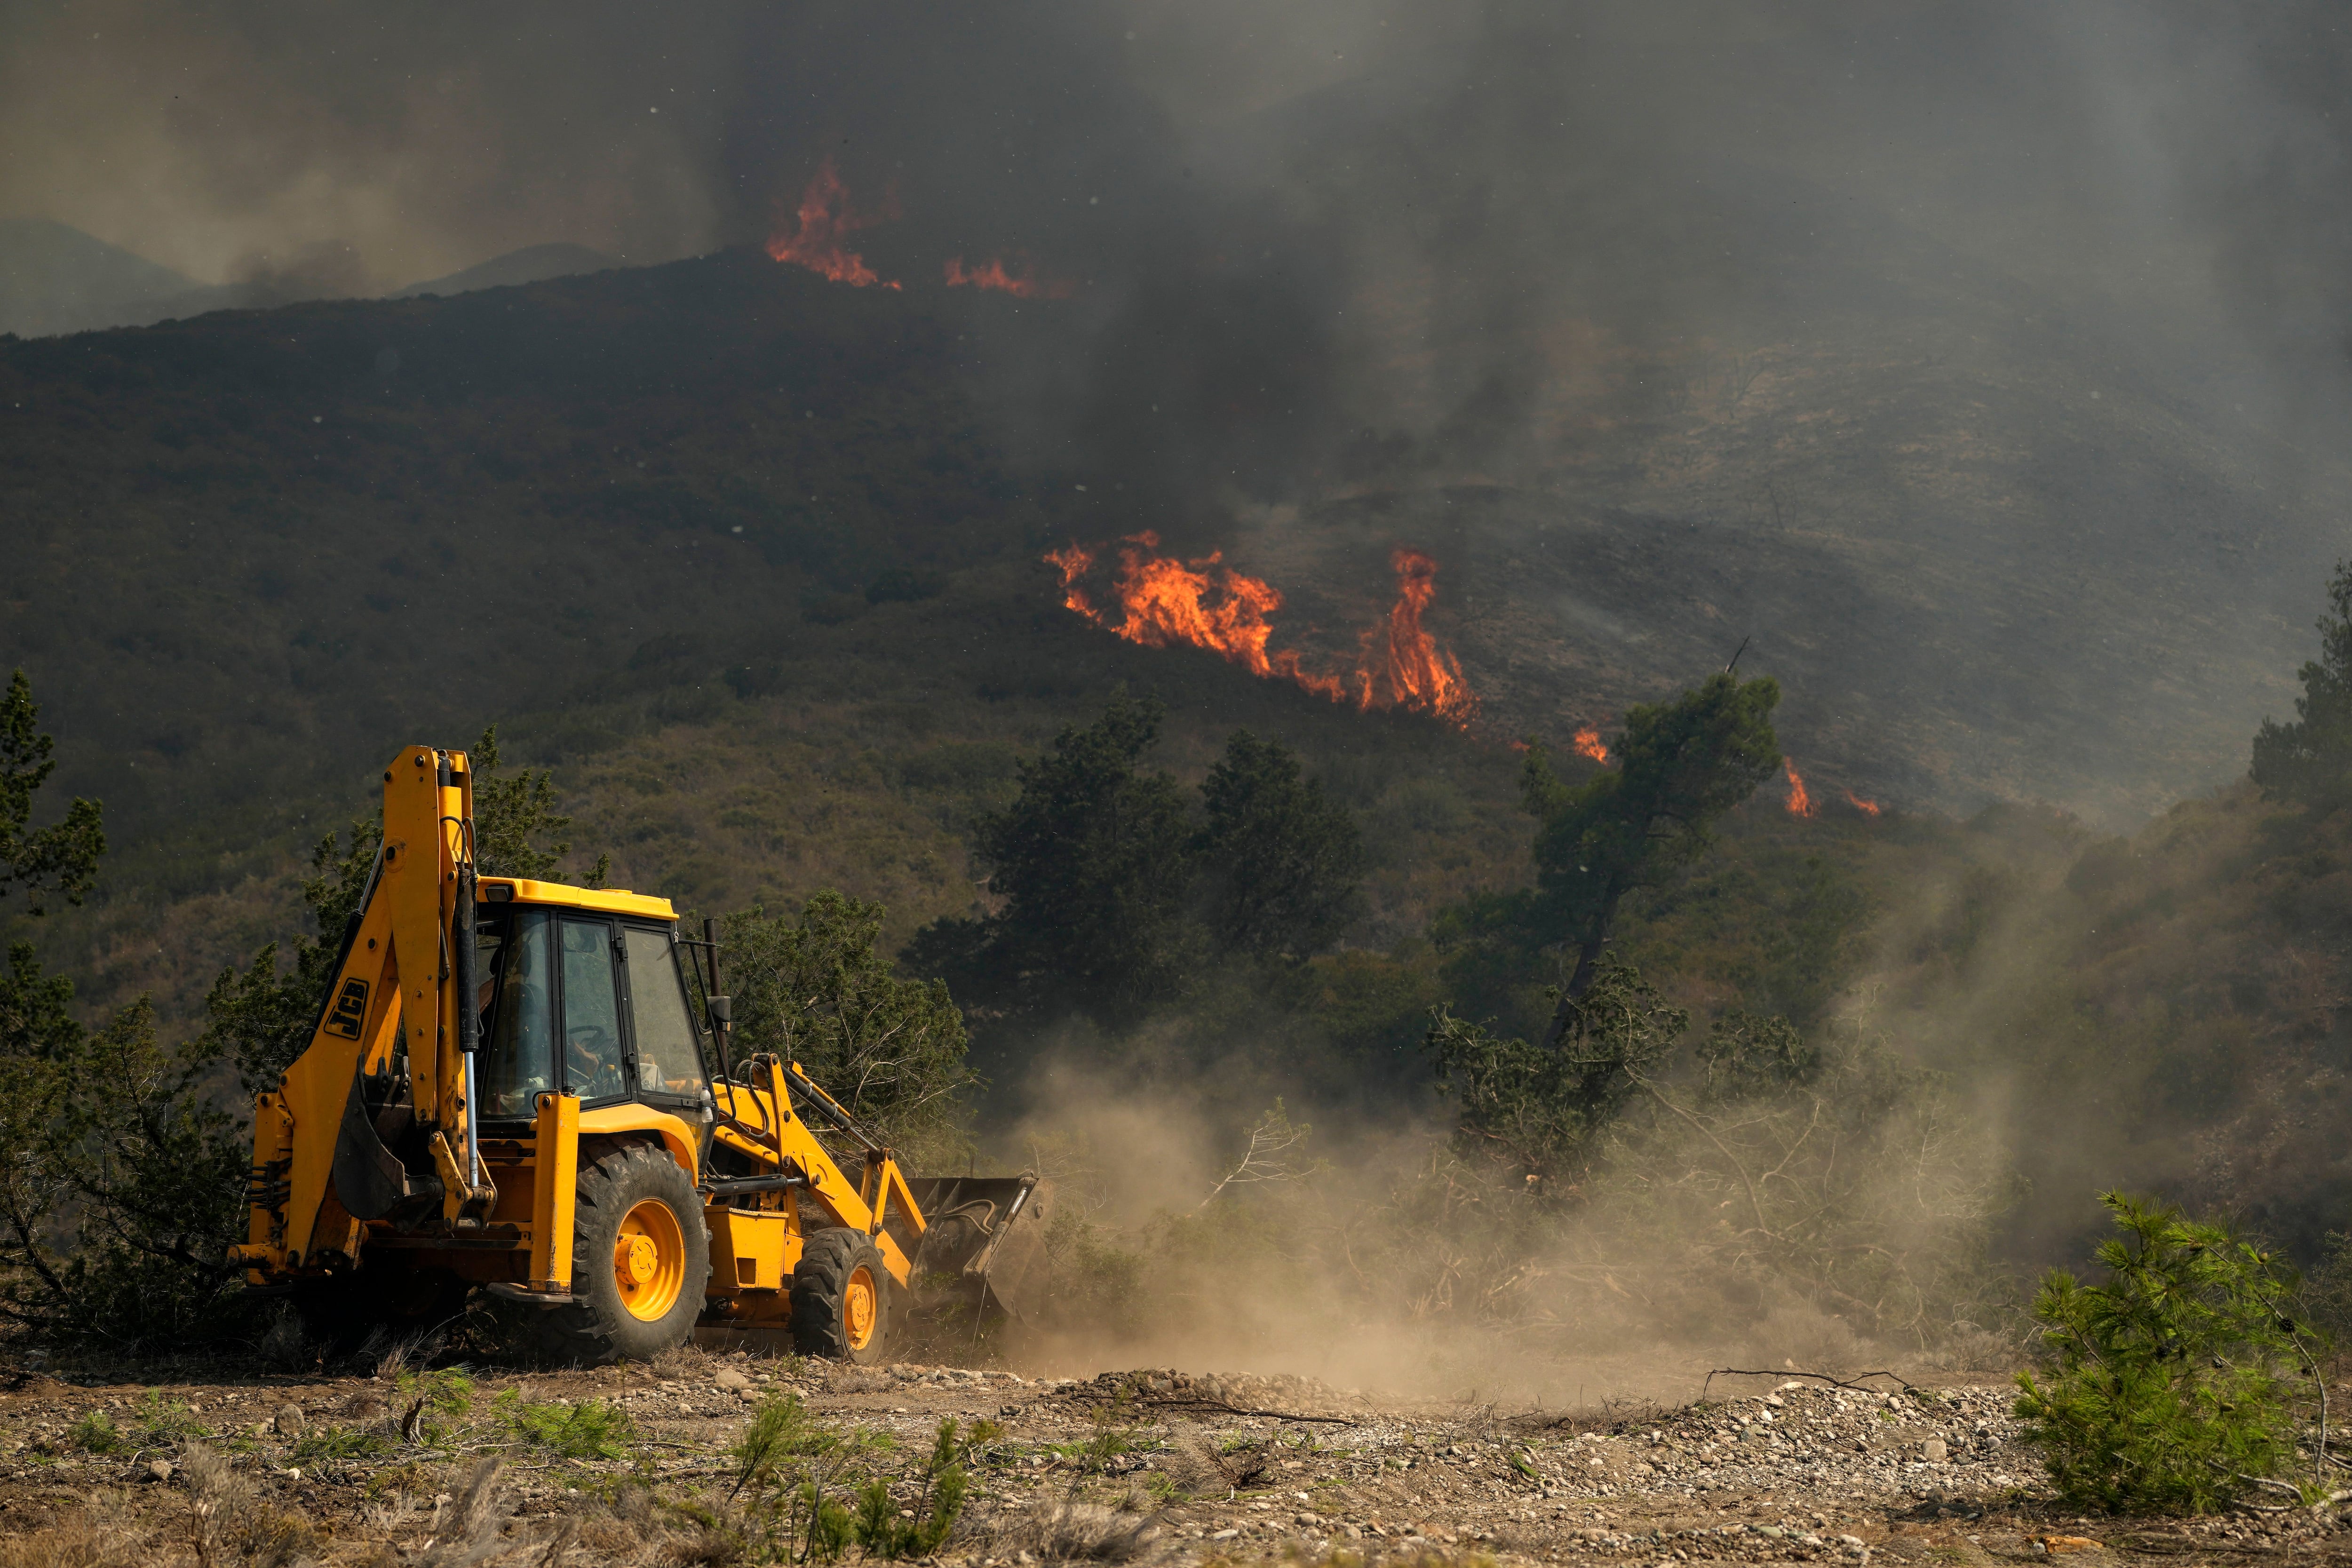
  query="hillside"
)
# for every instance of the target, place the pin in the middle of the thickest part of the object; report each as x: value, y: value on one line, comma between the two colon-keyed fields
x: 532, y: 264
x: 753, y: 560
x: 54, y: 278
x: 273, y: 522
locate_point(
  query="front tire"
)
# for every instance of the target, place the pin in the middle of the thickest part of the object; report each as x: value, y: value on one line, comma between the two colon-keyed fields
x: 640, y: 1258
x: 841, y: 1298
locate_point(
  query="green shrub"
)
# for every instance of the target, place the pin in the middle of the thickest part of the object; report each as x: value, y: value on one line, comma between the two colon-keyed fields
x: 120, y: 1136
x: 158, y: 1423
x: 95, y: 1432
x: 436, y: 1401
x: 786, y: 1466
x: 2179, y: 1384
x: 781, y: 1431
x: 159, y: 1164
x: 163, y: 1423
x: 1538, y: 1109
x: 883, y: 1533
x: 791, y: 1472
x: 823, y: 1528
x: 592, y: 1429
x: 1115, y: 1434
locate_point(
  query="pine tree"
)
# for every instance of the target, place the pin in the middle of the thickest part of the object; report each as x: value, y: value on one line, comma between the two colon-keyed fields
x: 61, y: 859
x: 1284, y: 859
x: 2310, y: 760
x: 1095, y: 862
x: 1679, y: 766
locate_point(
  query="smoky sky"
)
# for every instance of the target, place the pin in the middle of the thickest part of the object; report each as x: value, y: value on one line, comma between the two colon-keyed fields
x: 1293, y: 227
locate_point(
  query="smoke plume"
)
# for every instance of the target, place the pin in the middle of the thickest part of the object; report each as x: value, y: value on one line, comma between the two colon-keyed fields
x: 1291, y: 223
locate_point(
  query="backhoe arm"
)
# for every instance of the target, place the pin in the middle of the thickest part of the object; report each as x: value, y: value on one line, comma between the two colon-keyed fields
x: 402, y: 1006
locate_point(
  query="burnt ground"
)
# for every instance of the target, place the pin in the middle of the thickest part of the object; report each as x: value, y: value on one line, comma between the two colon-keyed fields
x: 103, y: 1467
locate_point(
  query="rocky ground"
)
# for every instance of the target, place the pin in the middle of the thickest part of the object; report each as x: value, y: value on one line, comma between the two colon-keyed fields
x: 644, y: 1464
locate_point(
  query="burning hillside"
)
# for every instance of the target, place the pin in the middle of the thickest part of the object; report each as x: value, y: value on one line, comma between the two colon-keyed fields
x: 1800, y: 799
x: 1162, y: 601
x: 1802, y: 802
x: 825, y: 219
x: 1021, y: 280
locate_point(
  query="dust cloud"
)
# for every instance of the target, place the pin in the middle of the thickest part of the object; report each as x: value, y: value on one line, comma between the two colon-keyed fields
x: 1368, y: 1254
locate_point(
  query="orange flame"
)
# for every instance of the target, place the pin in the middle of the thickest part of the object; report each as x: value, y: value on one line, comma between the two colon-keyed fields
x: 1076, y: 562
x: 1867, y: 808
x: 1405, y: 659
x: 1024, y: 284
x: 1588, y: 744
x: 1801, y: 804
x: 1165, y: 603
x: 824, y: 218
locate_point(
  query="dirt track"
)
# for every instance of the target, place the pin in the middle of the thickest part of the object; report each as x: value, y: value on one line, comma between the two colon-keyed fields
x: 1126, y: 1466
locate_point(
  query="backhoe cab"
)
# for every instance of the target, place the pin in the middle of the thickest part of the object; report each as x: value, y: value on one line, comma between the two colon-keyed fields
x: 530, y: 1086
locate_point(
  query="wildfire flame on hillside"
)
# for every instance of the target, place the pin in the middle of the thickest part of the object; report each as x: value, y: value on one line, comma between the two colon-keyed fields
x: 1801, y: 804
x: 1867, y: 808
x: 1206, y: 604
x: 1164, y: 603
x: 1399, y: 653
x: 824, y: 218
x: 1025, y: 284
x: 1588, y: 744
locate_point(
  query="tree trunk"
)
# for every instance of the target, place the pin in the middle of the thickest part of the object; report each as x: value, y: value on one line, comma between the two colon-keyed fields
x: 1588, y: 962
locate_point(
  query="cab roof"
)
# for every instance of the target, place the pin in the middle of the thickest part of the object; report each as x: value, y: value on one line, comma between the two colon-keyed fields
x: 603, y: 901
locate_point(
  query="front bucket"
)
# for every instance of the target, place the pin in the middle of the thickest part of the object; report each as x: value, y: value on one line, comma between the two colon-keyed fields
x: 986, y: 1235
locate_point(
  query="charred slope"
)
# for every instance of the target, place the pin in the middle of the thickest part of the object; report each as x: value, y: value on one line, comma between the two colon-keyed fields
x: 246, y: 548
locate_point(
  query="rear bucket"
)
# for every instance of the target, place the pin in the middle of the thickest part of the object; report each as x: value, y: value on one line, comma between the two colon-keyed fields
x: 984, y: 1240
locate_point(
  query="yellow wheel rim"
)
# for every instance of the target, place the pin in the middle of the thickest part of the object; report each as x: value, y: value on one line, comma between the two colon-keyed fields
x: 649, y: 1261
x: 861, y: 1307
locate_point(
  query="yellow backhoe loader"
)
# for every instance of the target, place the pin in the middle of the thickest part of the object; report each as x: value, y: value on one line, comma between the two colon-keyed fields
x: 530, y: 1086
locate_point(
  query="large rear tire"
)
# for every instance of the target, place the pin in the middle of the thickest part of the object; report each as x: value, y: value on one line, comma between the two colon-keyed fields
x: 640, y: 1258
x: 841, y: 1298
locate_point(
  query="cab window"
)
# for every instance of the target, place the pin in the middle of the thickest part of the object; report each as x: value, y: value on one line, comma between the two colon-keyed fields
x: 670, y: 1058
x: 595, y: 1067
x: 518, y: 1058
